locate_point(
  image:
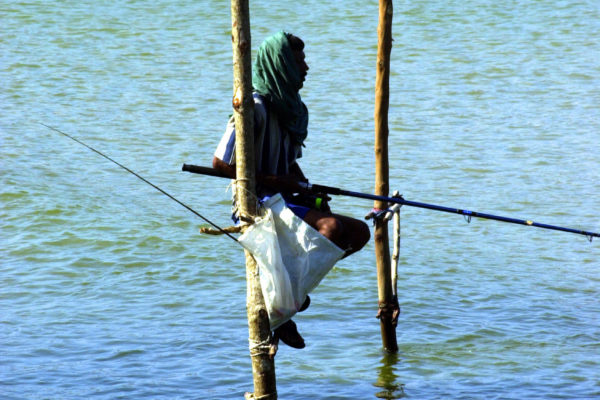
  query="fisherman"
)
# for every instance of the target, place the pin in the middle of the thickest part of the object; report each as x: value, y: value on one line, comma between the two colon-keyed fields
x: 280, y: 129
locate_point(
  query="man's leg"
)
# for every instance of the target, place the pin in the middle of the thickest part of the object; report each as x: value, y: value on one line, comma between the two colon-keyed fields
x: 347, y: 233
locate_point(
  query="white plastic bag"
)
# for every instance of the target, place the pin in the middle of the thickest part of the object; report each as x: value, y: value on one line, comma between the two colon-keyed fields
x: 292, y: 258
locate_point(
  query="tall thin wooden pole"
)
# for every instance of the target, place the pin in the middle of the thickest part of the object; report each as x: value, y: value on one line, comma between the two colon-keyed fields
x: 263, y: 366
x: 382, y: 250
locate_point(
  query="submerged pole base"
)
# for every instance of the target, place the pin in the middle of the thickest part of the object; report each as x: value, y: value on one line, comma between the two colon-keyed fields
x: 388, y: 314
x: 250, y: 396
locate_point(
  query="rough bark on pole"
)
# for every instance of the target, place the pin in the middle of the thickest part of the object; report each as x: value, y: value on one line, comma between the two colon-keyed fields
x: 263, y: 366
x: 382, y: 250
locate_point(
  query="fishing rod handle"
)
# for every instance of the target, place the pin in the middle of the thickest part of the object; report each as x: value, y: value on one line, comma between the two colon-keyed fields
x: 324, y: 189
x: 197, y: 169
x: 271, y: 181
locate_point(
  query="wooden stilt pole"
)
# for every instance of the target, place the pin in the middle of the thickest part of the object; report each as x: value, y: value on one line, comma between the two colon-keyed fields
x: 382, y: 250
x: 263, y: 366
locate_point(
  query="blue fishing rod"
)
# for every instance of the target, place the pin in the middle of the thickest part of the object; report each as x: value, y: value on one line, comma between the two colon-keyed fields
x: 399, y: 200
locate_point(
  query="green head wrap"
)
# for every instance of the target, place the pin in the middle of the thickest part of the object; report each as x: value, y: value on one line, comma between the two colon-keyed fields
x: 277, y: 78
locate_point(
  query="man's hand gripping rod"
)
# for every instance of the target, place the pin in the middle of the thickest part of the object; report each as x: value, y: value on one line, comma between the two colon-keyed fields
x: 275, y: 183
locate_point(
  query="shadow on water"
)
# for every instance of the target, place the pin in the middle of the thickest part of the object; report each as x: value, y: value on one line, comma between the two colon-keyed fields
x: 387, y: 379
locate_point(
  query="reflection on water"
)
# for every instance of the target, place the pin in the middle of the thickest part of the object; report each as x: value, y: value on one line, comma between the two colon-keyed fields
x: 388, y: 380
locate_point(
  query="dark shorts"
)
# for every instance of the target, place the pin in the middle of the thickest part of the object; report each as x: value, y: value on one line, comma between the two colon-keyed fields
x: 300, y: 211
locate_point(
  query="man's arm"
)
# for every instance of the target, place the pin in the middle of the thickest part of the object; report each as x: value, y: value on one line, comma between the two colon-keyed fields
x: 297, y: 173
x: 285, y: 183
x: 223, y: 167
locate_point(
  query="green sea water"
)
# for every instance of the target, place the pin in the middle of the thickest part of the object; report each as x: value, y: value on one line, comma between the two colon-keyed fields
x: 108, y: 291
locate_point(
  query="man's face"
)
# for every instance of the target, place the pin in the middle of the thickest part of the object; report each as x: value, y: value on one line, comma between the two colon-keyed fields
x: 301, y: 63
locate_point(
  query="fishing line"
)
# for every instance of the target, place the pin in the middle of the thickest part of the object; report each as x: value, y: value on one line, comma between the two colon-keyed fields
x: 143, y: 179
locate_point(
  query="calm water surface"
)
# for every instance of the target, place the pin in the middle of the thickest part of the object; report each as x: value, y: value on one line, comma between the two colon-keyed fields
x: 108, y: 291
